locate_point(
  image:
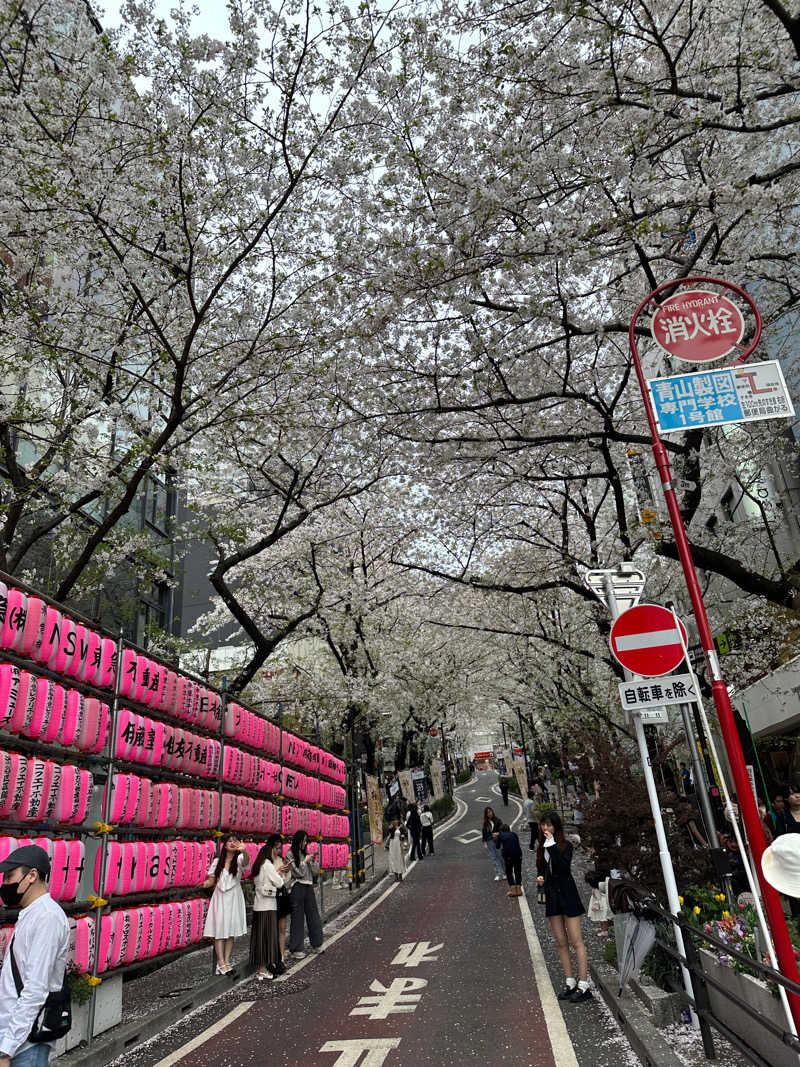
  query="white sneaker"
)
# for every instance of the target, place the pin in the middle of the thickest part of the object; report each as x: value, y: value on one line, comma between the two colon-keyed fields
x: 299, y: 955
x: 317, y: 951
x: 498, y: 877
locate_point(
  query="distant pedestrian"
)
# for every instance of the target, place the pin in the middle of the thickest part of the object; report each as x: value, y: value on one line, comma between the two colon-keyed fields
x: 395, y: 844
x: 504, y: 790
x: 508, y: 843
x: 426, y: 818
x: 686, y: 779
x: 529, y: 809
x: 304, y: 901
x: 226, y: 918
x: 491, y: 826
x: 268, y: 870
x: 414, y: 825
x: 778, y: 813
x: 36, y: 957
x: 563, y: 906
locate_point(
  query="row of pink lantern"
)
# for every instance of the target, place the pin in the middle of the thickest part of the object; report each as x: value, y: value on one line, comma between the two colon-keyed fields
x: 131, y: 934
x: 243, y: 725
x: 141, y: 802
x: 46, y: 711
x: 29, y: 627
x: 315, y: 823
x: 141, y: 739
x: 32, y: 790
x: 143, y: 866
x: 67, y: 860
x: 252, y: 772
x: 312, y: 790
x: 330, y: 857
x: 156, y: 686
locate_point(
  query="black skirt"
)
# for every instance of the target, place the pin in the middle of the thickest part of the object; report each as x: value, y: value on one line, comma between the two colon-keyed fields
x: 264, y: 946
x: 561, y: 897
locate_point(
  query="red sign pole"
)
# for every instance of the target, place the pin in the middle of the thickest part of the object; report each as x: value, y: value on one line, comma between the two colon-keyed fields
x: 722, y: 701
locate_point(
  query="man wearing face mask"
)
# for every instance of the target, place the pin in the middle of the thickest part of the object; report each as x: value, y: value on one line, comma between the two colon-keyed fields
x: 40, y: 944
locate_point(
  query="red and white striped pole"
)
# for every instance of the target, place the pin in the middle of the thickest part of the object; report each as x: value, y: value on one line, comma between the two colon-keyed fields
x: 747, y: 804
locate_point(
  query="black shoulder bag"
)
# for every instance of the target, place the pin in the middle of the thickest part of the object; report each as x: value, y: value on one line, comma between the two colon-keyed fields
x: 55, y: 1015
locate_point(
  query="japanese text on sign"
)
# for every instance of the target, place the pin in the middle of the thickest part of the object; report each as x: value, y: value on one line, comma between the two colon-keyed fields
x: 674, y: 689
x: 733, y: 394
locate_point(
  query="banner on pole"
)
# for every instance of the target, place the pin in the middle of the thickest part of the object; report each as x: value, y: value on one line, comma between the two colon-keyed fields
x: 520, y: 773
x: 375, y: 809
x: 406, y: 785
x: 436, y: 778
x: 420, y: 788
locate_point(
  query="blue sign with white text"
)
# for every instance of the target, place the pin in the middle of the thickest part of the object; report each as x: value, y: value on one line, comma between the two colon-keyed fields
x: 688, y: 400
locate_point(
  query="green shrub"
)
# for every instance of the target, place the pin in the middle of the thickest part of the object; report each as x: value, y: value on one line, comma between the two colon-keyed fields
x: 513, y: 786
x: 463, y: 776
x: 442, y: 807
x: 610, y: 950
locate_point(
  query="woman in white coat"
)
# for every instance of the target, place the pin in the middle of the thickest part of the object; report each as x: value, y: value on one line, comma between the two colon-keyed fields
x: 268, y: 871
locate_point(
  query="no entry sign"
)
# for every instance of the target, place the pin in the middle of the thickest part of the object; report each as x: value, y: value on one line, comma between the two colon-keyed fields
x: 646, y: 641
x: 697, y: 326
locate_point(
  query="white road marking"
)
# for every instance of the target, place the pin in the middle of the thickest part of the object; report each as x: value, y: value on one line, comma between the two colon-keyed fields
x: 396, y: 998
x: 563, y: 1051
x: 212, y: 1031
x: 174, y: 1057
x: 376, y: 1048
x: 470, y: 837
x: 414, y: 953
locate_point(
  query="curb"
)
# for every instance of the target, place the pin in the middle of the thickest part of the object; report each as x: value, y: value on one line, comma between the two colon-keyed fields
x: 647, y: 1042
x: 126, y: 1036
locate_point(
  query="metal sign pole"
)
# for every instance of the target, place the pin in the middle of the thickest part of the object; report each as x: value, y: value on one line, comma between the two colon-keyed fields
x: 663, y: 848
x: 722, y: 701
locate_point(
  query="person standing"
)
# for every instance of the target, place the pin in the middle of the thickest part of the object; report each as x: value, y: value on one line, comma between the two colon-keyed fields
x: 396, y: 841
x: 686, y: 779
x: 508, y: 843
x: 491, y: 826
x: 426, y: 819
x: 304, y: 901
x: 529, y: 810
x: 414, y: 824
x: 268, y: 870
x: 40, y: 945
x: 789, y: 823
x: 226, y: 918
x: 504, y: 791
x: 563, y: 906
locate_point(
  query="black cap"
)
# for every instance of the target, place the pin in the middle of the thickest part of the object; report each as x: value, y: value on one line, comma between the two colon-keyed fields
x: 32, y: 856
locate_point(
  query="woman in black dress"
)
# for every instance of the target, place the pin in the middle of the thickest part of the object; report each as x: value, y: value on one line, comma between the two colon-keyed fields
x: 563, y: 906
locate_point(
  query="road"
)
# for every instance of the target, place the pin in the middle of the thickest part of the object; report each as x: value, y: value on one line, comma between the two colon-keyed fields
x: 442, y: 968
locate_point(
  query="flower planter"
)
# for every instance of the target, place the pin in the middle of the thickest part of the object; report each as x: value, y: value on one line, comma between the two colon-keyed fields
x: 757, y: 995
x: 108, y: 1013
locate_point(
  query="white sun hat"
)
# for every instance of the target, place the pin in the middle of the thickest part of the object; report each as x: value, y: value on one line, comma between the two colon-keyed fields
x: 781, y: 864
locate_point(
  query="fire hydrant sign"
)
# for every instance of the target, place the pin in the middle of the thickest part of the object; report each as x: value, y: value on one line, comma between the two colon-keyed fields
x: 711, y: 398
x: 697, y: 326
x: 638, y: 694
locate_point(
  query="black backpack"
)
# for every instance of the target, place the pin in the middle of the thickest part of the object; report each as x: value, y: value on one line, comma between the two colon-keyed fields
x: 55, y: 1015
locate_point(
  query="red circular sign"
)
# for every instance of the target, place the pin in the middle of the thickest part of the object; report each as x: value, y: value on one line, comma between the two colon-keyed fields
x: 697, y: 326
x: 645, y: 640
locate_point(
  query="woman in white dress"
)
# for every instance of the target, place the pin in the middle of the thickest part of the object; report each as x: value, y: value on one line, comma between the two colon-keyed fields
x: 396, y: 844
x: 226, y: 917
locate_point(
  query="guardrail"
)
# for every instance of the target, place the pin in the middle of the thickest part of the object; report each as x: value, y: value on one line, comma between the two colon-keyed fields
x: 701, y: 979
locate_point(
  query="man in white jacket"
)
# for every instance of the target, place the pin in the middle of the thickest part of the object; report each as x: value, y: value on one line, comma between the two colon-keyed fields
x: 40, y: 945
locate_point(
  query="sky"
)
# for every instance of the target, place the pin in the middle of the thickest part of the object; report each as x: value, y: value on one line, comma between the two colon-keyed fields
x: 212, y: 19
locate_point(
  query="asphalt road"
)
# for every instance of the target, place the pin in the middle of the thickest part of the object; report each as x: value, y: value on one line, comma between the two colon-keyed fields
x: 442, y: 968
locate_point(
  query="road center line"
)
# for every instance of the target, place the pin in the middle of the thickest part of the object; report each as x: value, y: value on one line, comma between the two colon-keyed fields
x: 206, y: 1035
x: 563, y: 1050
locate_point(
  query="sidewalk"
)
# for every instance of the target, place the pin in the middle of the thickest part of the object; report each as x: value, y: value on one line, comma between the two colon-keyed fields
x: 155, y: 999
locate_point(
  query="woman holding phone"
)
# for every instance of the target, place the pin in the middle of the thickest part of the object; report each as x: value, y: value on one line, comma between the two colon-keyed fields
x: 227, y: 918
x: 563, y: 906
